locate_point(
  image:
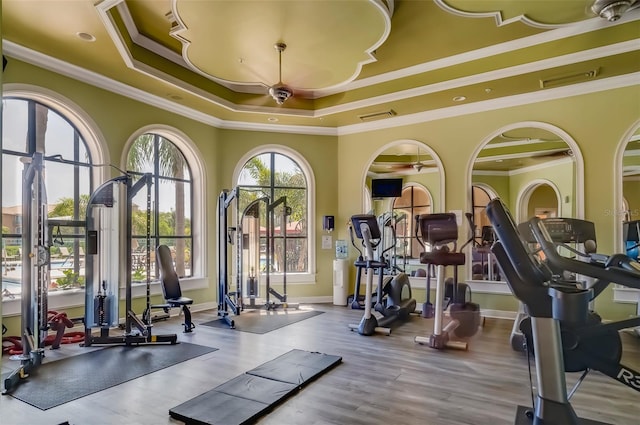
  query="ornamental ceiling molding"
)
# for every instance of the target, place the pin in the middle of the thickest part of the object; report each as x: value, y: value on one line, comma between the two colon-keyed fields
x: 97, y: 80
x: 248, y: 58
x: 549, y: 36
x: 500, y: 9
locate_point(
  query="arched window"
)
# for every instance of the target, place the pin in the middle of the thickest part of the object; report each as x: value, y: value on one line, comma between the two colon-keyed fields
x: 483, y: 266
x: 415, y: 200
x: 171, y: 204
x: 30, y: 126
x: 480, y: 197
x: 276, y: 175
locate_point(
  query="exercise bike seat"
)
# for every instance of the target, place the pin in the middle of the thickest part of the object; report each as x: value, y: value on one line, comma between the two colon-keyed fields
x: 442, y: 258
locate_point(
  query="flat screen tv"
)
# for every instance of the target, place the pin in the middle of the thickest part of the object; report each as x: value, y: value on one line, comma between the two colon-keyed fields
x: 386, y: 188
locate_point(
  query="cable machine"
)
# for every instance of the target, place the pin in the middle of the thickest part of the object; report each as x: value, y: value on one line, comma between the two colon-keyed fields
x: 277, y: 213
x: 106, y: 205
x: 260, y: 239
x: 35, y: 270
x: 228, y: 301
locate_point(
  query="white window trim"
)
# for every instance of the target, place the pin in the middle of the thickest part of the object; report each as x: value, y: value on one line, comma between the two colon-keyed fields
x: 566, y: 137
x: 198, y: 180
x: 294, y: 278
x: 421, y: 186
x: 97, y: 147
x: 88, y: 129
x: 60, y: 300
x: 424, y: 147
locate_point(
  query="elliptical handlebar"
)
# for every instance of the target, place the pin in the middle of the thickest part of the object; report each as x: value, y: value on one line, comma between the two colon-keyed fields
x: 373, y: 231
x: 353, y: 241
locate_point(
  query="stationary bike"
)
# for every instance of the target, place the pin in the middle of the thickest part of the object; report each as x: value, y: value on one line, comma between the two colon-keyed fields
x: 389, y: 302
x: 564, y: 335
x: 439, y: 232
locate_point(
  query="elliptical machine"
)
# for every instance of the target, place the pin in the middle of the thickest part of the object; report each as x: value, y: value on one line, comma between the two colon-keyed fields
x: 380, y: 250
x: 440, y: 233
x: 389, y: 302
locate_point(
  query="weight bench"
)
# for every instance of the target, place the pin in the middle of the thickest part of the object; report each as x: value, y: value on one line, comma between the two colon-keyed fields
x: 171, y: 287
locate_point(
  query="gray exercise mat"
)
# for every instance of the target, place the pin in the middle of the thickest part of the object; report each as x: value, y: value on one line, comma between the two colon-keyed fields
x: 251, y: 395
x: 68, y: 379
x: 262, y: 321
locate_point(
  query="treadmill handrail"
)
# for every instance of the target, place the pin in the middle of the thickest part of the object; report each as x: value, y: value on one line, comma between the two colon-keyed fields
x: 610, y: 273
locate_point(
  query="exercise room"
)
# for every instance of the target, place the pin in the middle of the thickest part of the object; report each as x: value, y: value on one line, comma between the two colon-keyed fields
x: 416, y: 212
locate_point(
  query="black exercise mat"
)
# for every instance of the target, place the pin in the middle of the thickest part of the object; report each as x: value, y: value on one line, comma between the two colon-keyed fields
x: 263, y: 321
x: 68, y: 379
x: 246, y: 397
x: 236, y: 402
x: 296, y: 367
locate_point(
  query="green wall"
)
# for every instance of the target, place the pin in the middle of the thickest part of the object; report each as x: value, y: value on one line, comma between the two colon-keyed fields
x: 499, y: 183
x: 339, y: 162
x: 562, y: 176
x: 320, y: 152
x: 581, y: 116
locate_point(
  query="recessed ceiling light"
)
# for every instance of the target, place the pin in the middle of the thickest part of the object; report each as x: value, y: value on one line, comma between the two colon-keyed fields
x: 499, y: 160
x: 459, y: 98
x: 488, y: 90
x: 272, y: 119
x: 174, y: 96
x: 85, y: 36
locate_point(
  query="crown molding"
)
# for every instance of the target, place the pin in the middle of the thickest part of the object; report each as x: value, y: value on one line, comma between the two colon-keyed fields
x: 596, y: 53
x: 92, y: 78
x: 579, y: 89
x: 534, y: 40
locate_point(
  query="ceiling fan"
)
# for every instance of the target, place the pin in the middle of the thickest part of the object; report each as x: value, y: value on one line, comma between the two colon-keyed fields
x: 418, y: 165
x: 612, y: 10
x: 279, y: 91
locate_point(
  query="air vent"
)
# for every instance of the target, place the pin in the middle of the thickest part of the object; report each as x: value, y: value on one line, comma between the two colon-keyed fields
x: 562, y: 80
x: 377, y: 115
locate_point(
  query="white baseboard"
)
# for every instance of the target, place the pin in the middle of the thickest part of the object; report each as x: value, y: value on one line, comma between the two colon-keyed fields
x: 212, y: 305
x: 492, y: 314
x: 499, y: 314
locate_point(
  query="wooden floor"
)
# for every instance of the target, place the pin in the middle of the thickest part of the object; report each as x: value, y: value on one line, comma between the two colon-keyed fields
x: 382, y: 380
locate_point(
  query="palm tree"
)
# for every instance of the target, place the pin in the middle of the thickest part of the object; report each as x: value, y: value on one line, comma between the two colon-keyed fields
x: 287, y: 184
x: 171, y: 163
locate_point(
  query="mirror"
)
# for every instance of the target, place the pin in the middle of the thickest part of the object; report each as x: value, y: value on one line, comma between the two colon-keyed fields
x: 422, y: 191
x: 630, y: 208
x: 534, y: 168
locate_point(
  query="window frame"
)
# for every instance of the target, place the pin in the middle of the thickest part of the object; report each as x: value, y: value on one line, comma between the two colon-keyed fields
x: 157, y: 177
x: 292, y: 277
x: 199, y: 227
x: 412, y: 237
x: 96, y: 146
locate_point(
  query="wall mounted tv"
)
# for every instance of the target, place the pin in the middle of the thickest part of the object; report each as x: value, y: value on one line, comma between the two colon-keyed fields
x: 386, y: 188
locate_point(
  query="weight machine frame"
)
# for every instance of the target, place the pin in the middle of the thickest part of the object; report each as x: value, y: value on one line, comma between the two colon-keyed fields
x: 104, y: 197
x: 231, y: 303
x: 34, y: 286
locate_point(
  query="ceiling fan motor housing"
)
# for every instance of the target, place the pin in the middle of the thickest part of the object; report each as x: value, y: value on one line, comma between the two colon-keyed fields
x: 280, y: 93
x: 611, y: 10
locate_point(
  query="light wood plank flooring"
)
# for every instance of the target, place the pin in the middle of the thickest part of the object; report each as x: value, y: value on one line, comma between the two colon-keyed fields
x: 382, y: 380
